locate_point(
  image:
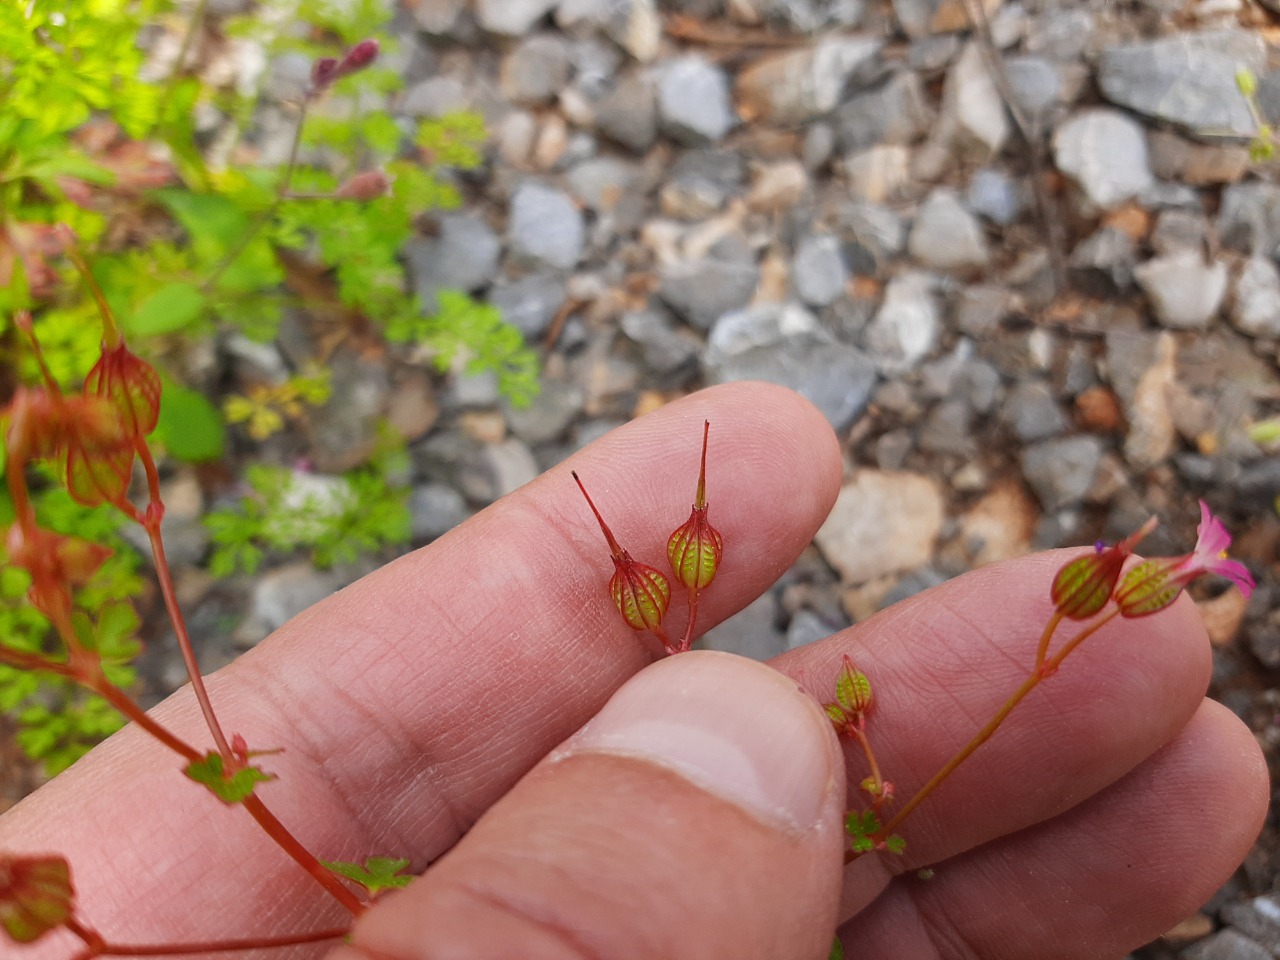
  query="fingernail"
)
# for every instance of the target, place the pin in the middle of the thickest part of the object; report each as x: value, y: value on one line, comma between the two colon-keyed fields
x: 732, y: 726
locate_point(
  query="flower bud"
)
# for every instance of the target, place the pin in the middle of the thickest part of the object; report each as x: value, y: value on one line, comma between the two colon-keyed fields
x: 368, y: 185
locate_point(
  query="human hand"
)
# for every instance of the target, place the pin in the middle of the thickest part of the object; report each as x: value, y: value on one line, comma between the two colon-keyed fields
x: 431, y: 709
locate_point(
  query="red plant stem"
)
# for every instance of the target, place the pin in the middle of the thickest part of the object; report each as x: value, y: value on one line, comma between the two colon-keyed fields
x: 290, y: 844
x: 133, y: 712
x: 151, y: 523
x: 95, y: 946
x: 257, y: 809
x: 1042, y: 651
x: 1045, y: 670
x: 22, y: 660
x: 687, y: 642
x: 861, y: 736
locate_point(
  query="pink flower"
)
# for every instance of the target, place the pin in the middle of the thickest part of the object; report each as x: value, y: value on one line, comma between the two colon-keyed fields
x: 1154, y: 584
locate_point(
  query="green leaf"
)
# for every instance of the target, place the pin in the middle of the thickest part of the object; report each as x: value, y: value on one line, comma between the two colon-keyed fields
x: 895, y: 844
x: 173, y: 307
x: 190, y: 427
x: 862, y: 828
x: 229, y: 789
x: 378, y: 873
x: 214, y: 222
x: 837, y: 950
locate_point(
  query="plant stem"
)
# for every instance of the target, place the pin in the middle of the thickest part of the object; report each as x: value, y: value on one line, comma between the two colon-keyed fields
x: 1045, y: 670
x: 95, y: 946
x: 194, y: 22
x: 151, y: 523
x: 1042, y: 651
x: 687, y: 642
x: 290, y: 844
x: 133, y: 712
x: 261, y: 220
x: 861, y: 736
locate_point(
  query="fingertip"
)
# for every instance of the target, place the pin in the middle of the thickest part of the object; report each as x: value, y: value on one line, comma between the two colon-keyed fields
x: 698, y: 814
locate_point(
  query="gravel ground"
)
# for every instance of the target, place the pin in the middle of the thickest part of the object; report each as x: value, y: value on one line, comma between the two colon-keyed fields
x: 1028, y: 273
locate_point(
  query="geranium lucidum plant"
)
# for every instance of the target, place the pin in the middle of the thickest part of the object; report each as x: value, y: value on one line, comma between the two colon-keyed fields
x: 1092, y: 589
x: 93, y: 439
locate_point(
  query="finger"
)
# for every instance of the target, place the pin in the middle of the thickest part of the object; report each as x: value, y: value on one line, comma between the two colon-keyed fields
x: 943, y: 663
x: 1112, y: 873
x: 697, y: 815
x: 409, y: 702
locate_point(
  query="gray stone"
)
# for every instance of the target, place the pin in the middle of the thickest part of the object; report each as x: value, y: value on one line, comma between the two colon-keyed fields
x: 344, y: 432
x: 905, y: 328
x: 1226, y: 944
x: 282, y: 593
x: 511, y: 465
x: 876, y: 233
x: 1105, y: 153
x: 878, y: 174
x: 1179, y: 230
x: 435, y: 509
x: 1175, y: 157
x: 462, y: 256
x: 994, y: 195
x: 946, y: 236
x: 537, y: 69
x: 919, y: 18
x: 785, y: 344
x: 693, y: 100
x: 511, y: 18
x: 530, y: 303
x: 973, y: 114
x: 882, y: 522
x: 801, y: 85
x: 603, y: 183
x: 633, y: 24
x: 1186, y: 79
x: 1255, y: 306
x: 436, y: 96
x: 550, y: 414
x: 544, y: 227
x: 978, y: 384
x: 629, y: 113
x: 801, y: 16
x: 751, y: 632
x: 1249, y: 218
x: 1184, y: 291
x: 1102, y: 263
x: 1032, y: 412
x: 667, y: 348
x: 808, y: 627
x: 1062, y: 34
x: 818, y: 270
x: 1036, y: 86
x: 948, y: 429
x: 437, y: 17
x: 1060, y: 471
x: 1259, y: 918
x: 896, y: 112
x: 704, y: 290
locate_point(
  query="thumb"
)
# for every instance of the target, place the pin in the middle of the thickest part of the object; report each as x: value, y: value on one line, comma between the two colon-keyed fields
x: 697, y: 815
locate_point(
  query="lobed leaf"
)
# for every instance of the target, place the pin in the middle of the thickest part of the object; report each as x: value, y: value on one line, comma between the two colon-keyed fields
x: 231, y: 789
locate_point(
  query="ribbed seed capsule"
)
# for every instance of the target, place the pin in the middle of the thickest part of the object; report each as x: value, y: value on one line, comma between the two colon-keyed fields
x: 696, y: 548
x: 640, y: 592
